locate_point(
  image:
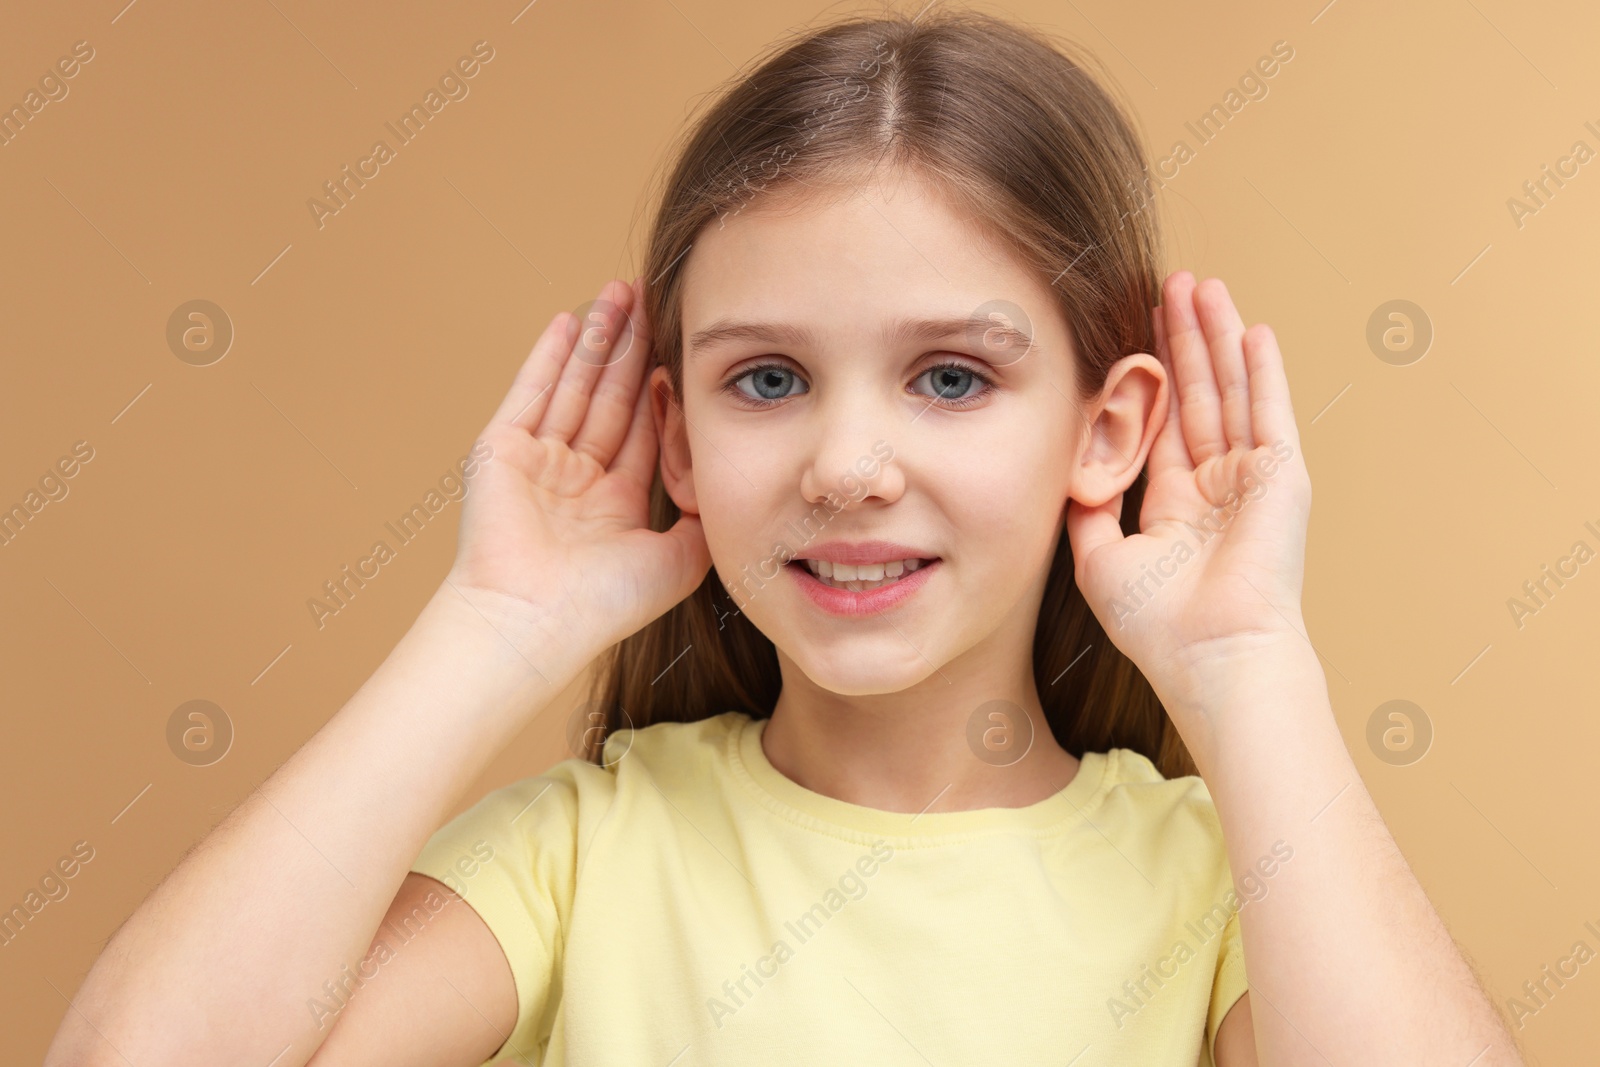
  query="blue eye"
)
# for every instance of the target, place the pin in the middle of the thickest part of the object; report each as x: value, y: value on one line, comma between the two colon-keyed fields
x: 769, y: 380
x: 950, y: 382
x: 770, y: 384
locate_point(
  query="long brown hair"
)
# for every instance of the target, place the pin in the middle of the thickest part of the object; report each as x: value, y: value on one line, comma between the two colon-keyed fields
x: 1008, y: 120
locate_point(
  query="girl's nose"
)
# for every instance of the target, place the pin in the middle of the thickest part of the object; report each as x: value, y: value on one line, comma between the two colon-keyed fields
x: 854, y: 464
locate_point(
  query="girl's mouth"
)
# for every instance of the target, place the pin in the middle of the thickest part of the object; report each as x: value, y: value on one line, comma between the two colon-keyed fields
x: 842, y: 589
x: 861, y: 579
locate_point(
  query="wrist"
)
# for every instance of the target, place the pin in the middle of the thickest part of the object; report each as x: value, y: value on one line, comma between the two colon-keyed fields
x: 496, y: 656
x: 1231, y: 697
x: 1198, y: 671
x: 537, y: 630
x: 449, y: 696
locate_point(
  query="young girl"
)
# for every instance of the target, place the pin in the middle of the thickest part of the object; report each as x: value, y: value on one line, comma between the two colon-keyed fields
x: 949, y: 566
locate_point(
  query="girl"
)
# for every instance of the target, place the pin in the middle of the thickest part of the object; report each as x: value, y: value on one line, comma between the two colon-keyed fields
x: 949, y: 566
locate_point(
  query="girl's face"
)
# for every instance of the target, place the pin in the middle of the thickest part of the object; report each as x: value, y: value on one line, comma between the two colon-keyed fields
x: 834, y: 391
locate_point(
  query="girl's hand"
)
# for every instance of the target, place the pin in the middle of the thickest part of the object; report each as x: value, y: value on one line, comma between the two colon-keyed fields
x: 1219, y: 562
x: 555, y: 530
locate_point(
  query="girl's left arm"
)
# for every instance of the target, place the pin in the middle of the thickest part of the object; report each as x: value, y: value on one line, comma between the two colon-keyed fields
x: 1348, y: 962
x: 1347, y: 959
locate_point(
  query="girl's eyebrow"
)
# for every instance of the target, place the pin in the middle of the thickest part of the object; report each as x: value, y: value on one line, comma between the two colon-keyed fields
x: 988, y: 332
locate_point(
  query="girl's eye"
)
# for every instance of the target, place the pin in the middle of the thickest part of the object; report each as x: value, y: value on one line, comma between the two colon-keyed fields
x: 951, y: 382
x: 770, y: 382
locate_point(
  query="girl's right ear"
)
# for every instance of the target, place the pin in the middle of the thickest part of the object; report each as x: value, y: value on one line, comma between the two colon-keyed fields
x: 673, y: 441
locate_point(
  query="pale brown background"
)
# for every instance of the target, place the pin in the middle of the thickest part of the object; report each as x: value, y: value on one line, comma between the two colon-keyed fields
x: 368, y: 356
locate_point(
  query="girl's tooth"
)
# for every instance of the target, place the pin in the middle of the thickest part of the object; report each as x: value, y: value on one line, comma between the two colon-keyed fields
x: 844, y: 573
x: 859, y: 579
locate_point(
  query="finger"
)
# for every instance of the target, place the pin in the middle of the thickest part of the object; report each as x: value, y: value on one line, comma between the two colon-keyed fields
x: 1199, y: 403
x: 1158, y: 328
x: 1224, y: 331
x: 612, y: 407
x: 529, y: 394
x: 1091, y: 528
x: 569, y: 400
x: 1169, y: 449
x: 637, y: 456
x: 694, y: 554
x: 1271, y: 406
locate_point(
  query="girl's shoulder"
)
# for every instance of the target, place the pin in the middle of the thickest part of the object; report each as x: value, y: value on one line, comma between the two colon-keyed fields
x: 540, y: 821
x: 673, y: 749
x: 1136, y: 790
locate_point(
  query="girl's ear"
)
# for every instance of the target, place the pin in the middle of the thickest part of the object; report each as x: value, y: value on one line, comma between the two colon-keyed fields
x: 1124, y: 423
x: 673, y: 440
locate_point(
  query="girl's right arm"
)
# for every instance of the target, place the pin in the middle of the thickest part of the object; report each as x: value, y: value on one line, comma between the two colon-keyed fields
x: 556, y: 561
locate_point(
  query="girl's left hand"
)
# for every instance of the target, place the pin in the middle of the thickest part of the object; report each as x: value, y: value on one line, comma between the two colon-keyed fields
x: 1218, y: 565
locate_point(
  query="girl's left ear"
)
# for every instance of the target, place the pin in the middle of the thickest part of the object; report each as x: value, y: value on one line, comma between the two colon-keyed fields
x: 1124, y: 422
x: 673, y: 441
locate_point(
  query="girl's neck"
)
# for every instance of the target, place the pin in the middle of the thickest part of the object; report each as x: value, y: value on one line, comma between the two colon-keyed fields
x: 910, y: 751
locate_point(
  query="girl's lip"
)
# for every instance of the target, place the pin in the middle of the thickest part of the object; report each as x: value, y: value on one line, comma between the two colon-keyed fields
x: 847, y: 603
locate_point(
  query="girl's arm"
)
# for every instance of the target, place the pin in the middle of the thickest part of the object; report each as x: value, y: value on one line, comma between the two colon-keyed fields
x: 447, y: 998
x: 1348, y: 961
x: 218, y: 964
x: 556, y: 561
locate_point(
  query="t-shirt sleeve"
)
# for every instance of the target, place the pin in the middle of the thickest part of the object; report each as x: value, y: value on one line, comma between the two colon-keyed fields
x: 1227, y: 985
x: 512, y: 857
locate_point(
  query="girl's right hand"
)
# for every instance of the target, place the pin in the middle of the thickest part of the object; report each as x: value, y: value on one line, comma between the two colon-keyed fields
x: 555, y: 529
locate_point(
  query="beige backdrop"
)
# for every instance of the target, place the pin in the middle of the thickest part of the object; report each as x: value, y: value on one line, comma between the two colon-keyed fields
x: 208, y: 504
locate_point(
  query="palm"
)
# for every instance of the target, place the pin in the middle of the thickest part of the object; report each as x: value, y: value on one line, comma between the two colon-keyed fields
x: 541, y: 511
x: 1220, y: 552
x: 558, y: 519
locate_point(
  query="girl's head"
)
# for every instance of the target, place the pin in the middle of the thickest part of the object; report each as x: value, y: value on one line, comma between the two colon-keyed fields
x: 900, y: 284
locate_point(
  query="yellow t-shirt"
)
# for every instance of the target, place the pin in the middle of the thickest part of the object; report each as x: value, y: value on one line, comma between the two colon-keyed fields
x: 689, y: 905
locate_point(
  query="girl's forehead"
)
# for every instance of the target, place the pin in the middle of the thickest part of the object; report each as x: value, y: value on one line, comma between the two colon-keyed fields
x: 869, y: 253
x: 873, y: 212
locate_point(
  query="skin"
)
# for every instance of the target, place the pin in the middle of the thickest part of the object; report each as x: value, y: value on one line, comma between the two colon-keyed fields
x: 874, y: 710
x: 1348, y: 961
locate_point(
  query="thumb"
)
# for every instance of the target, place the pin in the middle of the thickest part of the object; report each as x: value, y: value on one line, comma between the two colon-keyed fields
x: 691, y: 556
x: 1090, y: 529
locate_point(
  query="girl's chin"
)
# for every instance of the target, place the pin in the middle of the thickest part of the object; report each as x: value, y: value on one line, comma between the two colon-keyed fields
x: 856, y: 666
